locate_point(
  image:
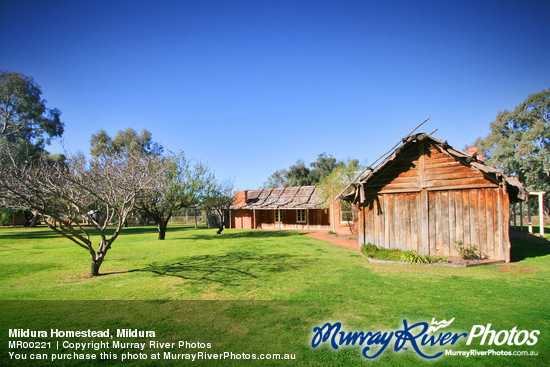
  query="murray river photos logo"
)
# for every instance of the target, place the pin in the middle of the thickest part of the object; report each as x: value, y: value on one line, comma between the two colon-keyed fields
x: 418, y: 337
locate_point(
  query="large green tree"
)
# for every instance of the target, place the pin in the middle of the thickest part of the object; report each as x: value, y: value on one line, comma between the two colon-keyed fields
x: 321, y: 168
x: 519, y: 143
x: 26, y: 124
x: 302, y: 175
x: 125, y: 140
x: 299, y: 175
x: 277, y: 179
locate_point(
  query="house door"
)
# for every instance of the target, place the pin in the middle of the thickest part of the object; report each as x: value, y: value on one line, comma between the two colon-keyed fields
x: 278, y: 219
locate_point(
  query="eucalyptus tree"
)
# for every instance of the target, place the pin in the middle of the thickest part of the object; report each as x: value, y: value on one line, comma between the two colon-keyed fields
x: 25, y: 121
x: 125, y: 141
x: 301, y: 175
x: 519, y: 143
x: 27, y: 125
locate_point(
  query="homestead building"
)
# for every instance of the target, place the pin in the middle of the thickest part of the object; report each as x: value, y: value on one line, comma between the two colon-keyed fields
x: 296, y: 208
x: 426, y: 196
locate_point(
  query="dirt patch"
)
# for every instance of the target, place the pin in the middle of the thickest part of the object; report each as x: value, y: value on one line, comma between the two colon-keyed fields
x: 457, y: 260
x: 516, y: 270
x: 347, y: 237
x: 324, y: 236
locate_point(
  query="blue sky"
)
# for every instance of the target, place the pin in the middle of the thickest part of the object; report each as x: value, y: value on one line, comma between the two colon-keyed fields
x: 250, y: 87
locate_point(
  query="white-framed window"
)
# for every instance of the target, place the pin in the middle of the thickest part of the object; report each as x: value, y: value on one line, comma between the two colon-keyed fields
x: 346, y: 212
x: 301, y: 215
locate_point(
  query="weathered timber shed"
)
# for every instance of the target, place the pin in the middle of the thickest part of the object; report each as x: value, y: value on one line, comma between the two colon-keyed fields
x: 279, y: 208
x: 426, y: 195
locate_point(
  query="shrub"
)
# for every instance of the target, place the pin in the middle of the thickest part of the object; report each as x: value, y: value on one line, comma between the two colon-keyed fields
x: 436, y: 259
x: 375, y: 252
x: 414, y: 257
x: 469, y: 251
x: 5, y: 218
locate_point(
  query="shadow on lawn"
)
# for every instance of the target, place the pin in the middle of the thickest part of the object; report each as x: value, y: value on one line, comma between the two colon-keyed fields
x: 27, y: 233
x: 229, y: 234
x: 152, y: 229
x: 526, y: 245
x: 233, y: 269
x: 43, y: 231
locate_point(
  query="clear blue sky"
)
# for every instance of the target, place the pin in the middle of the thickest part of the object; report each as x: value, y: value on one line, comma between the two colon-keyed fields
x: 250, y: 87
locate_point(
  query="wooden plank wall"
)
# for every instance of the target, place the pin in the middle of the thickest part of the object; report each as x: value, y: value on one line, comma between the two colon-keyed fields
x: 470, y: 216
x: 477, y: 216
x: 393, y: 221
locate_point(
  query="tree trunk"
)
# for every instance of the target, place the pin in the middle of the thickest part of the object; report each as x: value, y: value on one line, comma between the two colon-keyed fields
x: 34, y: 220
x: 94, y: 271
x: 162, y: 230
x: 96, y: 263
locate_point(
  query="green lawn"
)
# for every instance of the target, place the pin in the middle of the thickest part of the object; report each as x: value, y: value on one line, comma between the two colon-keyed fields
x: 264, y: 291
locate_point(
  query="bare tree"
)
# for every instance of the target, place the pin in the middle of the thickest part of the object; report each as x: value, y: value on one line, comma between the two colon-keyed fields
x: 100, y: 192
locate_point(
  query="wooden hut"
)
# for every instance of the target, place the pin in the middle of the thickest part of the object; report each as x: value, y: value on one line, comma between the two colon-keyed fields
x: 426, y: 196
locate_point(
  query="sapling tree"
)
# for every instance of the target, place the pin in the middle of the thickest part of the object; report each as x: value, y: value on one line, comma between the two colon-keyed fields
x: 217, y: 201
x: 183, y: 185
x: 67, y: 194
x: 333, y: 183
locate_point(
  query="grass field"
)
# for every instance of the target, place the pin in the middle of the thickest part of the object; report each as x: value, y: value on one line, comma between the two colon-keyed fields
x: 266, y: 292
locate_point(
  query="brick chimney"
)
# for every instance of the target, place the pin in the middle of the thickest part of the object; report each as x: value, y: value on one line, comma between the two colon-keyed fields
x: 472, y: 152
x: 240, y: 198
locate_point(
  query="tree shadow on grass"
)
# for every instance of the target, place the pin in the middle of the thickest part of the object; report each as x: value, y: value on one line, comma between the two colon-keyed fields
x: 26, y: 233
x: 42, y: 231
x: 526, y: 245
x: 232, y: 234
x: 152, y: 229
x: 232, y: 269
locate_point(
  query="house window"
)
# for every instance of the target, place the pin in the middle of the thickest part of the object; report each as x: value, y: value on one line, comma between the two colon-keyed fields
x: 346, y: 212
x: 301, y: 215
x: 278, y: 216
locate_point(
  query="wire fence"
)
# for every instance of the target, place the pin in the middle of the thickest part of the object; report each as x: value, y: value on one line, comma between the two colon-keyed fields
x: 188, y: 219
